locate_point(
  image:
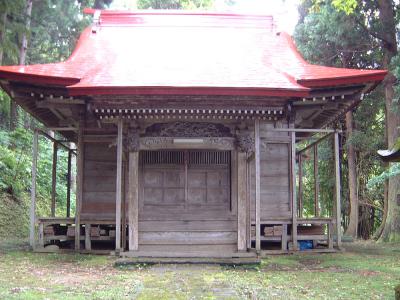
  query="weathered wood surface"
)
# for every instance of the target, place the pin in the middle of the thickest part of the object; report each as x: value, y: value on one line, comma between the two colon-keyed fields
x: 133, y: 201
x: 79, y: 184
x: 257, y: 182
x: 118, y: 193
x: 337, y: 213
x: 241, y: 207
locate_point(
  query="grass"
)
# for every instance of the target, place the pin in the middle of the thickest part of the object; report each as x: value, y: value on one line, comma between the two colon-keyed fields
x: 366, y: 270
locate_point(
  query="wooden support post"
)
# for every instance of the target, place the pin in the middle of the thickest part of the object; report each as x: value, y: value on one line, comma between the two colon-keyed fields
x: 300, y: 185
x: 88, y: 242
x: 41, y: 235
x: 258, y: 184
x: 133, y: 199
x: 337, y: 192
x: 284, y: 237
x: 54, y: 180
x: 330, y: 235
x: 293, y: 188
x: 79, y: 185
x: 241, y: 205
x: 248, y: 205
x: 123, y: 213
x: 33, y: 190
x: 316, y: 182
x: 69, y: 184
x: 118, y: 196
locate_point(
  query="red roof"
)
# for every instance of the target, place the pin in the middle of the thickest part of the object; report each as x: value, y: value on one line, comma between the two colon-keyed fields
x: 159, y: 52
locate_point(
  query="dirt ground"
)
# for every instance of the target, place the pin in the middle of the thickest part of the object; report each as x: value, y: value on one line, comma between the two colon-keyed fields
x: 366, y: 270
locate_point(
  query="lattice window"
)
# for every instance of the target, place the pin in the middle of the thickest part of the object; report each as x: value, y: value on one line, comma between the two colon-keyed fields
x: 163, y: 157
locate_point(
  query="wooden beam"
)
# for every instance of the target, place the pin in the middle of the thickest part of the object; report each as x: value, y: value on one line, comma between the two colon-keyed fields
x: 33, y: 190
x: 293, y: 188
x: 79, y: 185
x: 69, y: 183
x: 54, y: 180
x: 258, y: 184
x: 305, y: 130
x: 316, y: 182
x: 337, y: 192
x: 118, y: 195
x: 133, y: 198
x: 241, y: 205
x: 314, y: 143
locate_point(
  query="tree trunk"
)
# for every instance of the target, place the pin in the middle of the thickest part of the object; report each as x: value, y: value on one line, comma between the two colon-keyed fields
x: 22, y: 59
x: 352, y: 178
x: 391, y: 230
x: 3, y: 35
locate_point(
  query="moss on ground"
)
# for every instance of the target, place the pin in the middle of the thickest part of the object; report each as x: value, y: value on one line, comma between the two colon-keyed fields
x: 364, y: 271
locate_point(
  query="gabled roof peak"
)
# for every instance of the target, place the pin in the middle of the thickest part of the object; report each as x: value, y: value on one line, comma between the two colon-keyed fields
x: 184, y: 18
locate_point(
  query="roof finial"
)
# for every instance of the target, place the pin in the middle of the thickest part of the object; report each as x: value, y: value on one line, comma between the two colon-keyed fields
x: 96, y: 20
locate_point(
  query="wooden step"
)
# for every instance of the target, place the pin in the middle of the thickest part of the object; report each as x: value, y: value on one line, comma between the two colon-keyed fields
x: 188, y: 260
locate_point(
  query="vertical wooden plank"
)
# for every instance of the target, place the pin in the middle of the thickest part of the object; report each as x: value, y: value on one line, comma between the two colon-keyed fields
x: 258, y: 184
x: 330, y: 235
x: 33, y: 190
x: 133, y: 198
x: 41, y: 235
x: 300, y: 185
x: 248, y: 206
x: 241, y: 206
x: 118, y: 196
x: 293, y: 188
x: 337, y: 191
x: 284, y: 237
x: 79, y: 185
x: 234, y: 178
x: 316, y: 181
x: 123, y: 213
x: 69, y: 184
x: 54, y: 180
x: 88, y: 242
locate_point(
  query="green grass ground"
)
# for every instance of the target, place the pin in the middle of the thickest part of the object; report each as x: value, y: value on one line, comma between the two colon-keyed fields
x: 365, y: 271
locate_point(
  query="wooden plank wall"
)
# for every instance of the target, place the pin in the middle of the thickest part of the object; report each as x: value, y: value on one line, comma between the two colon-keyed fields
x: 274, y: 173
x: 99, y: 185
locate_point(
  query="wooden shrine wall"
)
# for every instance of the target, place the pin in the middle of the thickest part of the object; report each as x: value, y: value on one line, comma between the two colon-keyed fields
x: 99, y: 181
x: 275, y: 173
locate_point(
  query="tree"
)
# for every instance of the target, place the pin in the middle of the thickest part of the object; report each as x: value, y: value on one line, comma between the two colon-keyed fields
x: 378, y: 20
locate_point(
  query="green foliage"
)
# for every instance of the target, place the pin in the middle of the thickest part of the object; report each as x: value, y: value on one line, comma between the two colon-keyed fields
x: 330, y: 37
x: 15, y: 167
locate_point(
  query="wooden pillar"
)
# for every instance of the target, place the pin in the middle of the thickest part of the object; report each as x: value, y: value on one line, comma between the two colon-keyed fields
x: 79, y: 185
x: 300, y: 185
x: 316, y: 181
x: 54, y: 180
x: 118, y: 196
x: 123, y: 205
x: 248, y: 204
x: 293, y: 188
x: 258, y: 185
x: 33, y: 190
x: 241, y: 205
x: 69, y: 184
x: 133, y: 201
x: 88, y: 242
x: 337, y: 191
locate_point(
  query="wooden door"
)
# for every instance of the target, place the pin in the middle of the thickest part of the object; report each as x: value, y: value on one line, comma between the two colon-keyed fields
x: 192, y: 180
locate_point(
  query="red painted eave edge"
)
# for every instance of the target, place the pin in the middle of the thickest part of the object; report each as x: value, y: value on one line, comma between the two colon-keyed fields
x: 377, y: 76
x: 38, y: 79
x: 109, y: 12
x: 237, y: 91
